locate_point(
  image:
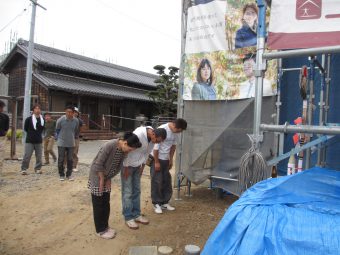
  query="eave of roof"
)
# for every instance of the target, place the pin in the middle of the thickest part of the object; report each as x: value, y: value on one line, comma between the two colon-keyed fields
x: 90, y: 87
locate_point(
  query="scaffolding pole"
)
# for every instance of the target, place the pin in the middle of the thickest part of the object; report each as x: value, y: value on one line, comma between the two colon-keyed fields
x: 321, y: 106
x: 326, y: 107
x: 259, y: 71
x: 180, y: 105
x: 309, y: 129
x: 310, y: 104
x: 277, y: 136
x: 301, y: 52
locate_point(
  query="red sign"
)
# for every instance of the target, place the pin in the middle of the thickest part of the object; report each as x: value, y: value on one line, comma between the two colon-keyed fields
x: 308, y: 9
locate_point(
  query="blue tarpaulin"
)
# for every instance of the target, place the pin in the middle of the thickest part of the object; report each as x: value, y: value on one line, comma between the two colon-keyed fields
x: 297, y: 214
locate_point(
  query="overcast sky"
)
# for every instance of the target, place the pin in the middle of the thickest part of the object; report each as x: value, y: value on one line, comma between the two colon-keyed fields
x: 132, y: 33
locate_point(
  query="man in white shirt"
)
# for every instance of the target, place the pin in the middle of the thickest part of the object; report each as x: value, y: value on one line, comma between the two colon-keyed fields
x: 247, y: 88
x: 133, y: 167
x: 163, y: 154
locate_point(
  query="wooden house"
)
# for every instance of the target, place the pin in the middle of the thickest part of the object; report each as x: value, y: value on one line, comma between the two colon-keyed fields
x: 109, y: 96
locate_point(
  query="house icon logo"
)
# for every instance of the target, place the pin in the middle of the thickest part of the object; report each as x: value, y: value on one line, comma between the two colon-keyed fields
x: 308, y: 9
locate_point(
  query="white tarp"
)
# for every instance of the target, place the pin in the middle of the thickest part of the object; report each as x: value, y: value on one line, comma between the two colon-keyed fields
x: 304, y: 24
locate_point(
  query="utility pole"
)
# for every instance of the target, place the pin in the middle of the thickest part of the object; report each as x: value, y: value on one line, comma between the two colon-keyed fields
x: 28, y: 80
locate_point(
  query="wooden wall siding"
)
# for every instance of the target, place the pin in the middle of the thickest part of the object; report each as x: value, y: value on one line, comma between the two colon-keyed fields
x: 42, y: 94
x: 104, y: 106
x: 16, y: 81
x: 61, y: 99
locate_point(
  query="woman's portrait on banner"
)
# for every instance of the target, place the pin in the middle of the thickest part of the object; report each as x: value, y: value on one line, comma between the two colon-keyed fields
x: 204, y: 89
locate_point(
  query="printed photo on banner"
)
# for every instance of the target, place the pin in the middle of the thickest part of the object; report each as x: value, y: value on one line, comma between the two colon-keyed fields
x: 246, y: 35
x: 220, y: 52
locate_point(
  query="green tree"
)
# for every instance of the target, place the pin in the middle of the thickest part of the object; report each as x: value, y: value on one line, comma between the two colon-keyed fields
x: 165, y: 96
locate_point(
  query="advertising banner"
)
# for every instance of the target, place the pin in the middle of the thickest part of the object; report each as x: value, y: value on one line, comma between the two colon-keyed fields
x: 220, y: 51
x: 307, y: 24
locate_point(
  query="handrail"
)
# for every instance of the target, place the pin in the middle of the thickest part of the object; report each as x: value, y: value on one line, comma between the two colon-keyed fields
x: 107, y: 115
x: 91, y: 121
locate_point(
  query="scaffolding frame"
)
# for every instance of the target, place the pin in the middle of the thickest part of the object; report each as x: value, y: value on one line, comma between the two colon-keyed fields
x: 260, y: 69
x: 324, y: 104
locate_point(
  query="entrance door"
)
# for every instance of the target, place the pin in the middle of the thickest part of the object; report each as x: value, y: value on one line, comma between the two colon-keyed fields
x: 90, y: 106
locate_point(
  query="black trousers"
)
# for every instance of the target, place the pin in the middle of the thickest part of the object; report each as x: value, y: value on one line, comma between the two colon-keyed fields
x: 161, y: 188
x: 61, y: 157
x: 101, y: 211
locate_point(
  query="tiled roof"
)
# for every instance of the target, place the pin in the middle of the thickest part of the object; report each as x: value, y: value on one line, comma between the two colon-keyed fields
x: 90, y: 87
x: 70, y: 61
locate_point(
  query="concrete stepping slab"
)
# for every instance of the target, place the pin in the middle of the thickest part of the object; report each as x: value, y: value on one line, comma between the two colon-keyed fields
x: 143, y: 250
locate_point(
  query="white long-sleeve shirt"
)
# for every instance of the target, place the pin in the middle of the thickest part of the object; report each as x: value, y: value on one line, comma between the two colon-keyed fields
x: 139, y: 156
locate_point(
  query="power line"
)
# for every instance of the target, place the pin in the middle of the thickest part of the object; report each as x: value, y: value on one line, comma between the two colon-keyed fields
x: 137, y: 21
x: 13, y: 20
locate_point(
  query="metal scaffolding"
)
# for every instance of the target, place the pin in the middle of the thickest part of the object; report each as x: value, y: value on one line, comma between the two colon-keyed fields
x: 324, y: 103
x: 199, y: 157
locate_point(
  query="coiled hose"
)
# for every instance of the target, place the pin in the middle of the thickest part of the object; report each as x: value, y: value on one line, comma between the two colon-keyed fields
x: 253, y: 167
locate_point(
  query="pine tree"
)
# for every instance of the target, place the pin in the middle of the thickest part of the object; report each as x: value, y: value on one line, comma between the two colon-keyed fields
x: 165, y: 96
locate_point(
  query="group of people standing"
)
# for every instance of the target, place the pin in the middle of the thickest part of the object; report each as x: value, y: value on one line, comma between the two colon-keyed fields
x: 128, y: 156
x: 44, y: 131
x: 4, y: 126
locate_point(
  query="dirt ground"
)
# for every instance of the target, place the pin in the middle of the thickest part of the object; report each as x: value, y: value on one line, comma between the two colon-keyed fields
x: 41, y: 215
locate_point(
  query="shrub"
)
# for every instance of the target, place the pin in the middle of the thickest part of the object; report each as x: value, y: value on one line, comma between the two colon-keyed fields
x: 19, y: 134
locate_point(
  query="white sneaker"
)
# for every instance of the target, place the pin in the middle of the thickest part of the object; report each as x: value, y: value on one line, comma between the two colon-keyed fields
x: 142, y: 220
x: 23, y: 172
x: 106, y: 234
x: 75, y: 170
x: 70, y: 178
x: 61, y: 178
x: 157, y: 208
x: 132, y: 224
x: 168, y: 207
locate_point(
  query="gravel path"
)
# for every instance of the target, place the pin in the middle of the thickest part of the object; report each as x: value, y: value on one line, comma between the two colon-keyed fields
x: 11, y: 181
